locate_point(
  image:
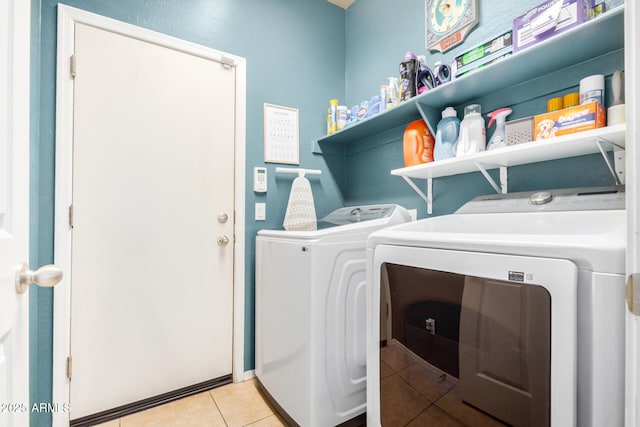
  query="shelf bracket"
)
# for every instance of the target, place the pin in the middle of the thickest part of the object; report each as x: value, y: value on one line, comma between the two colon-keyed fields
x: 429, y: 115
x: 614, y: 171
x: 503, y: 178
x: 427, y: 198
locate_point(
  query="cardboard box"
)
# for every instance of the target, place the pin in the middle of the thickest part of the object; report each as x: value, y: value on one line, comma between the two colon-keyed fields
x: 569, y: 120
x: 483, y: 63
x: 484, y: 52
x: 548, y: 19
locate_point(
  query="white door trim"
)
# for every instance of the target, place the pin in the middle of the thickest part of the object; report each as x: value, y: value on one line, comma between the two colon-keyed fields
x: 67, y: 17
x: 632, y: 171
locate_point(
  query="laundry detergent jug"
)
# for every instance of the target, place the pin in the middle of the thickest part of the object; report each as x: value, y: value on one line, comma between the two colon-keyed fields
x: 473, y: 138
x: 446, y: 135
x: 417, y: 143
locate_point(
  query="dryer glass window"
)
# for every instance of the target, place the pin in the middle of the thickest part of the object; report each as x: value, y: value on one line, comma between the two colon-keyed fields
x: 471, y: 347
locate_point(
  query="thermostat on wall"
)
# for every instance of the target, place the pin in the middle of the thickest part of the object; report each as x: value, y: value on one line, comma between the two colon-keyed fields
x: 260, y: 180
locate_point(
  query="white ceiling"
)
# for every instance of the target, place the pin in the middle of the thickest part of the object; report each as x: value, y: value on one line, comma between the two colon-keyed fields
x: 342, y: 3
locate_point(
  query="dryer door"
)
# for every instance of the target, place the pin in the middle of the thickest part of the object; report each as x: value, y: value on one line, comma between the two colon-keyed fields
x: 472, y: 333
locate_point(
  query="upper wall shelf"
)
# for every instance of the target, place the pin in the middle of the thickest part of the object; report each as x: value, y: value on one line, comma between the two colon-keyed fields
x: 589, y: 40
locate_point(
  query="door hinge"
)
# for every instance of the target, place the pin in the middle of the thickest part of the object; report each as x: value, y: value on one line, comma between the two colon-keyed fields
x: 69, y: 366
x: 72, y: 66
x: 227, y: 63
x: 70, y: 216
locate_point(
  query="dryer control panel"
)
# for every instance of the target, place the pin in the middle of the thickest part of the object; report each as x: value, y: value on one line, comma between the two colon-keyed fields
x: 571, y: 199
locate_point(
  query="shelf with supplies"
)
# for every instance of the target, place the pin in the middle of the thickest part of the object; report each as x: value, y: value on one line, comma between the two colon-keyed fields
x: 600, y: 140
x: 592, y: 39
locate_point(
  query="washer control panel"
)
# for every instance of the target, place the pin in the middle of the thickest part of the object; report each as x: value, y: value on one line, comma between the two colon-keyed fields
x: 349, y: 215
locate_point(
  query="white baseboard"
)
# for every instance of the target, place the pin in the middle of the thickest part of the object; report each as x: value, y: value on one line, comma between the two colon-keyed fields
x: 249, y: 375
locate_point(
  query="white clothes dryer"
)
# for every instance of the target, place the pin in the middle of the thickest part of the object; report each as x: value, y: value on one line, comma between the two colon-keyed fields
x: 310, y: 315
x: 512, y: 307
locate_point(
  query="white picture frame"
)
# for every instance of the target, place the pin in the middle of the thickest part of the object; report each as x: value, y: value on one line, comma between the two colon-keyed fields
x: 281, y: 135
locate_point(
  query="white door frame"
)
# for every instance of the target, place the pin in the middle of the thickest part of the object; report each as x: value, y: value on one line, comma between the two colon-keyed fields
x: 67, y: 17
x: 632, y: 171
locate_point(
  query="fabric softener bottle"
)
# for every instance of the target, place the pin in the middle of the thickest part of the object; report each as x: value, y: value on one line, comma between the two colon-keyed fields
x: 446, y: 135
x: 473, y: 137
x: 409, y: 69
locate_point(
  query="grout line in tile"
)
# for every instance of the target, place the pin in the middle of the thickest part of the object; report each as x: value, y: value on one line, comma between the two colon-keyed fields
x: 255, y: 421
x: 218, y: 407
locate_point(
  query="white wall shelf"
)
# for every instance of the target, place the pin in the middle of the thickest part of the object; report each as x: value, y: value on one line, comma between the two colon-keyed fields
x: 601, y: 140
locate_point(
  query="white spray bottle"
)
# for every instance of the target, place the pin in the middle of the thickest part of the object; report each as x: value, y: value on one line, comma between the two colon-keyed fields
x: 498, y: 139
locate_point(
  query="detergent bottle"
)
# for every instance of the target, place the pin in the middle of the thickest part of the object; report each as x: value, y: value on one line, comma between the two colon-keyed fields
x: 498, y: 139
x: 409, y: 69
x: 446, y: 134
x: 417, y: 143
x: 473, y: 137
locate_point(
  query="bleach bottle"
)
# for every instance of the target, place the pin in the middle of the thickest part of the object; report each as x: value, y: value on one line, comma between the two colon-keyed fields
x: 473, y: 138
x: 498, y: 139
x: 446, y: 135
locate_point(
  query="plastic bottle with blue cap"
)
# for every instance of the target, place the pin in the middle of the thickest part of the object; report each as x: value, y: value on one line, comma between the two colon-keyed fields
x: 446, y: 135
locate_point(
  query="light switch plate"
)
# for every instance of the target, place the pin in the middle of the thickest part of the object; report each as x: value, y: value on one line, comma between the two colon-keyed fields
x: 261, y: 211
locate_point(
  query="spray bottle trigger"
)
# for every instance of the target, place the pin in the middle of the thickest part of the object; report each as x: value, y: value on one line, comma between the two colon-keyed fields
x: 496, y: 113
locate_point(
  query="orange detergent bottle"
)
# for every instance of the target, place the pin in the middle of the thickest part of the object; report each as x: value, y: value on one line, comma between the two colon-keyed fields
x: 417, y: 144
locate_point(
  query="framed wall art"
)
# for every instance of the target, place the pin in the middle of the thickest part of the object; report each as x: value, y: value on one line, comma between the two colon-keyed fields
x: 448, y: 22
x: 281, y: 135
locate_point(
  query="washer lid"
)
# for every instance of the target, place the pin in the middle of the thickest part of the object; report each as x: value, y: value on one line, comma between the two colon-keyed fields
x: 354, y: 214
x: 347, y: 220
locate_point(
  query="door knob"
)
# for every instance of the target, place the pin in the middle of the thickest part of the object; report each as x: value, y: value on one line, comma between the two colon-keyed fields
x: 222, y: 218
x: 223, y: 241
x: 46, y: 276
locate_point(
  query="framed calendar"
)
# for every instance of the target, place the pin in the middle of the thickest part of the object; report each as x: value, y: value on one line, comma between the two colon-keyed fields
x: 281, y: 135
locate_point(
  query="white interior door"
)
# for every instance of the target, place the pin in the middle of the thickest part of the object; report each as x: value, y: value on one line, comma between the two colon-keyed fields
x: 14, y: 211
x: 152, y: 252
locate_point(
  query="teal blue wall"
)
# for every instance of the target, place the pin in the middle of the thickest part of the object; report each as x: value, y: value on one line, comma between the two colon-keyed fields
x: 300, y: 53
x: 295, y: 57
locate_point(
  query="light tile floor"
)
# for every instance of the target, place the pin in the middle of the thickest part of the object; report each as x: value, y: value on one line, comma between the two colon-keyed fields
x: 412, y: 396
x: 233, y: 405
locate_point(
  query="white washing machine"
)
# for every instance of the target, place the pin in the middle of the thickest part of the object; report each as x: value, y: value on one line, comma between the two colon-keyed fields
x: 513, y: 307
x: 310, y: 315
